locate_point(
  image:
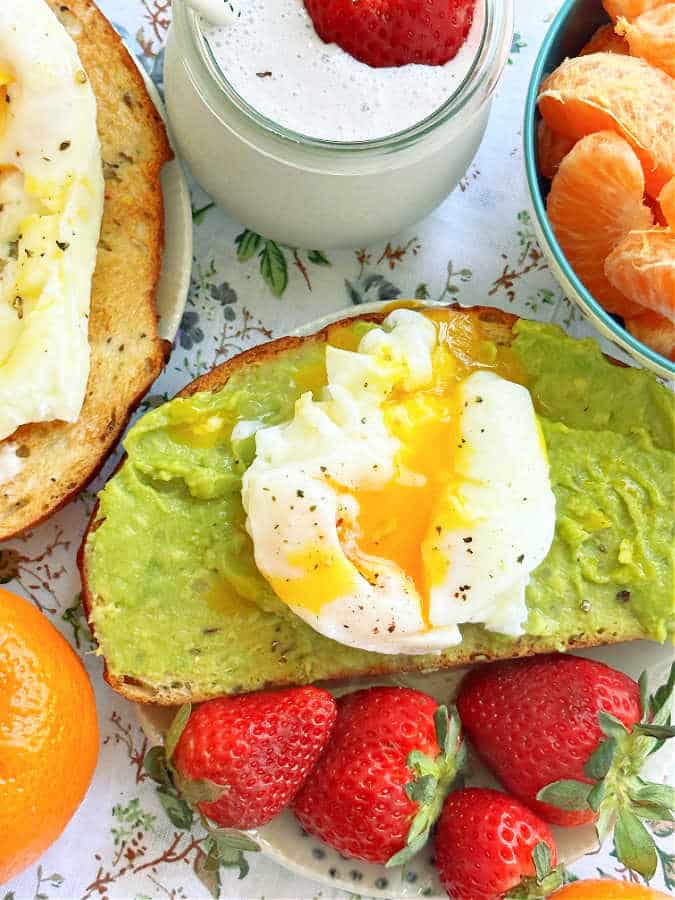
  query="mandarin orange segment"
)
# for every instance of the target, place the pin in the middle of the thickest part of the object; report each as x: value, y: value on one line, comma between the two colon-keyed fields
x: 551, y: 149
x: 594, y: 202
x: 48, y: 734
x: 667, y: 203
x: 630, y: 9
x: 621, y: 93
x: 642, y: 267
x: 652, y: 37
x: 655, y: 331
x: 605, y: 40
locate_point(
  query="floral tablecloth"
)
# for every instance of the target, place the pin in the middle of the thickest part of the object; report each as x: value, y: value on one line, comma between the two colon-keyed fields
x: 477, y: 248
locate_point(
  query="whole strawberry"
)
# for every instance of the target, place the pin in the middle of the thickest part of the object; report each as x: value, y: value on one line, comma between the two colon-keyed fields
x: 568, y: 736
x: 488, y: 843
x: 394, y: 32
x: 535, y: 721
x: 250, y: 754
x: 380, y: 785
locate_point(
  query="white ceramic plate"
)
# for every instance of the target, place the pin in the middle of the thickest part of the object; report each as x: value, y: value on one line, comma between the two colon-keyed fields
x: 284, y: 841
x: 177, y: 257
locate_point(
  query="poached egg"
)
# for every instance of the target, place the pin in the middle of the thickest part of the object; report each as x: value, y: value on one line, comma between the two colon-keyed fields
x: 51, y: 204
x: 412, y: 496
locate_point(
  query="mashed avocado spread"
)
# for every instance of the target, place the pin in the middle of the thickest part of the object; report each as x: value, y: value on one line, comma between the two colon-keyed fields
x: 177, y: 599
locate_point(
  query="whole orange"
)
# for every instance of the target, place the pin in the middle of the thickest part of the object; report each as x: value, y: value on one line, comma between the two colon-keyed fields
x: 606, y: 889
x: 48, y: 734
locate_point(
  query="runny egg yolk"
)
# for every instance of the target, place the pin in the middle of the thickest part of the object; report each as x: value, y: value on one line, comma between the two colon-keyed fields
x: 393, y: 523
x: 327, y: 576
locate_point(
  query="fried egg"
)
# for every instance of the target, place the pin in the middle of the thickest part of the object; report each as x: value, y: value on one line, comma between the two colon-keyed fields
x: 411, y: 497
x: 51, y: 203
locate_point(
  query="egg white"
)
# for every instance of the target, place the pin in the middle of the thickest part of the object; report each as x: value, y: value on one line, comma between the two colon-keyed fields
x: 51, y: 203
x: 503, y: 492
x: 492, y: 525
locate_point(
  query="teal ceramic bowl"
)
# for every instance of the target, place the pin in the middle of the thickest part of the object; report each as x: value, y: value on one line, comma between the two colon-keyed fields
x: 571, y: 28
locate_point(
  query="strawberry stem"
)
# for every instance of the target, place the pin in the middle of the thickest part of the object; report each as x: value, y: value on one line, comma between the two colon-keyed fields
x: 432, y: 782
x: 546, y: 880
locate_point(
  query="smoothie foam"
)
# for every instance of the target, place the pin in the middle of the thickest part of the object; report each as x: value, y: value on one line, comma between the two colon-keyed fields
x: 274, y: 59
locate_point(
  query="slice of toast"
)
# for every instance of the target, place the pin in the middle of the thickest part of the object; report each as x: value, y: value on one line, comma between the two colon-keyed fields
x: 274, y: 643
x: 57, y: 458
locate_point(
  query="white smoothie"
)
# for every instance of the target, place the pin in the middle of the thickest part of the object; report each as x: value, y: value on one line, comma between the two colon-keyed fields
x: 275, y: 60
x: 305, y: 192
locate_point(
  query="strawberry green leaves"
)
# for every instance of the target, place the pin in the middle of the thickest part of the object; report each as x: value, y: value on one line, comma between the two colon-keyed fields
x: 541, y: 857
x: 224, y: 847
x: 176, y: 728
x: 611, y: 727
x: 655, y: 795
x: 198, y: 790
x: 432, y: 782
x: 600, y: 761
x: 616, y: 791
x: 547, y: 879
x: 566, y: 794
x: 661, y: 700
x: 157, y: 764
x: 660, y: 732
x: 178, y: 811
x: 220, y: 854
x: 634, y: 845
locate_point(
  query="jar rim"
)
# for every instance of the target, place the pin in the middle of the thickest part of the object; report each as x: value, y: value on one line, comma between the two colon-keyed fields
x: 484, y: 72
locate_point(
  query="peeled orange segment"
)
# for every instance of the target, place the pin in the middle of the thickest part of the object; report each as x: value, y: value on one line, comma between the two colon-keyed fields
x: 652, y: 37
x: 667, y: 203
x: 594, y: 202
x: 606, y: 40
x: 621, y: 93
x: 655, y: 331
x: 642, y: 267
x: 551, y: 149
x: 630, y: 9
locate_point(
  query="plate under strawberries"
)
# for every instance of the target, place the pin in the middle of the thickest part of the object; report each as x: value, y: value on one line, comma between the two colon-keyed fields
x: 284, y: 841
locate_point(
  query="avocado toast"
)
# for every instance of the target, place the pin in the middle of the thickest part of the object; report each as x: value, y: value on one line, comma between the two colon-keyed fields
x: 180, y: 610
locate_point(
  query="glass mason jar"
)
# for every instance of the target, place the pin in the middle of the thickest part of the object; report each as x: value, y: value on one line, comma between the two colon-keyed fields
x: 307, y: 192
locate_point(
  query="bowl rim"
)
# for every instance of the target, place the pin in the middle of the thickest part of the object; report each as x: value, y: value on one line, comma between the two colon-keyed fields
x: 621, y: 335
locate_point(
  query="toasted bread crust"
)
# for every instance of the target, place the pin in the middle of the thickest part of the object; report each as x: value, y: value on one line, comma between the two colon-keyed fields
x: 138, y: 692
x: 59, y: 458
x: 499, y: 325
